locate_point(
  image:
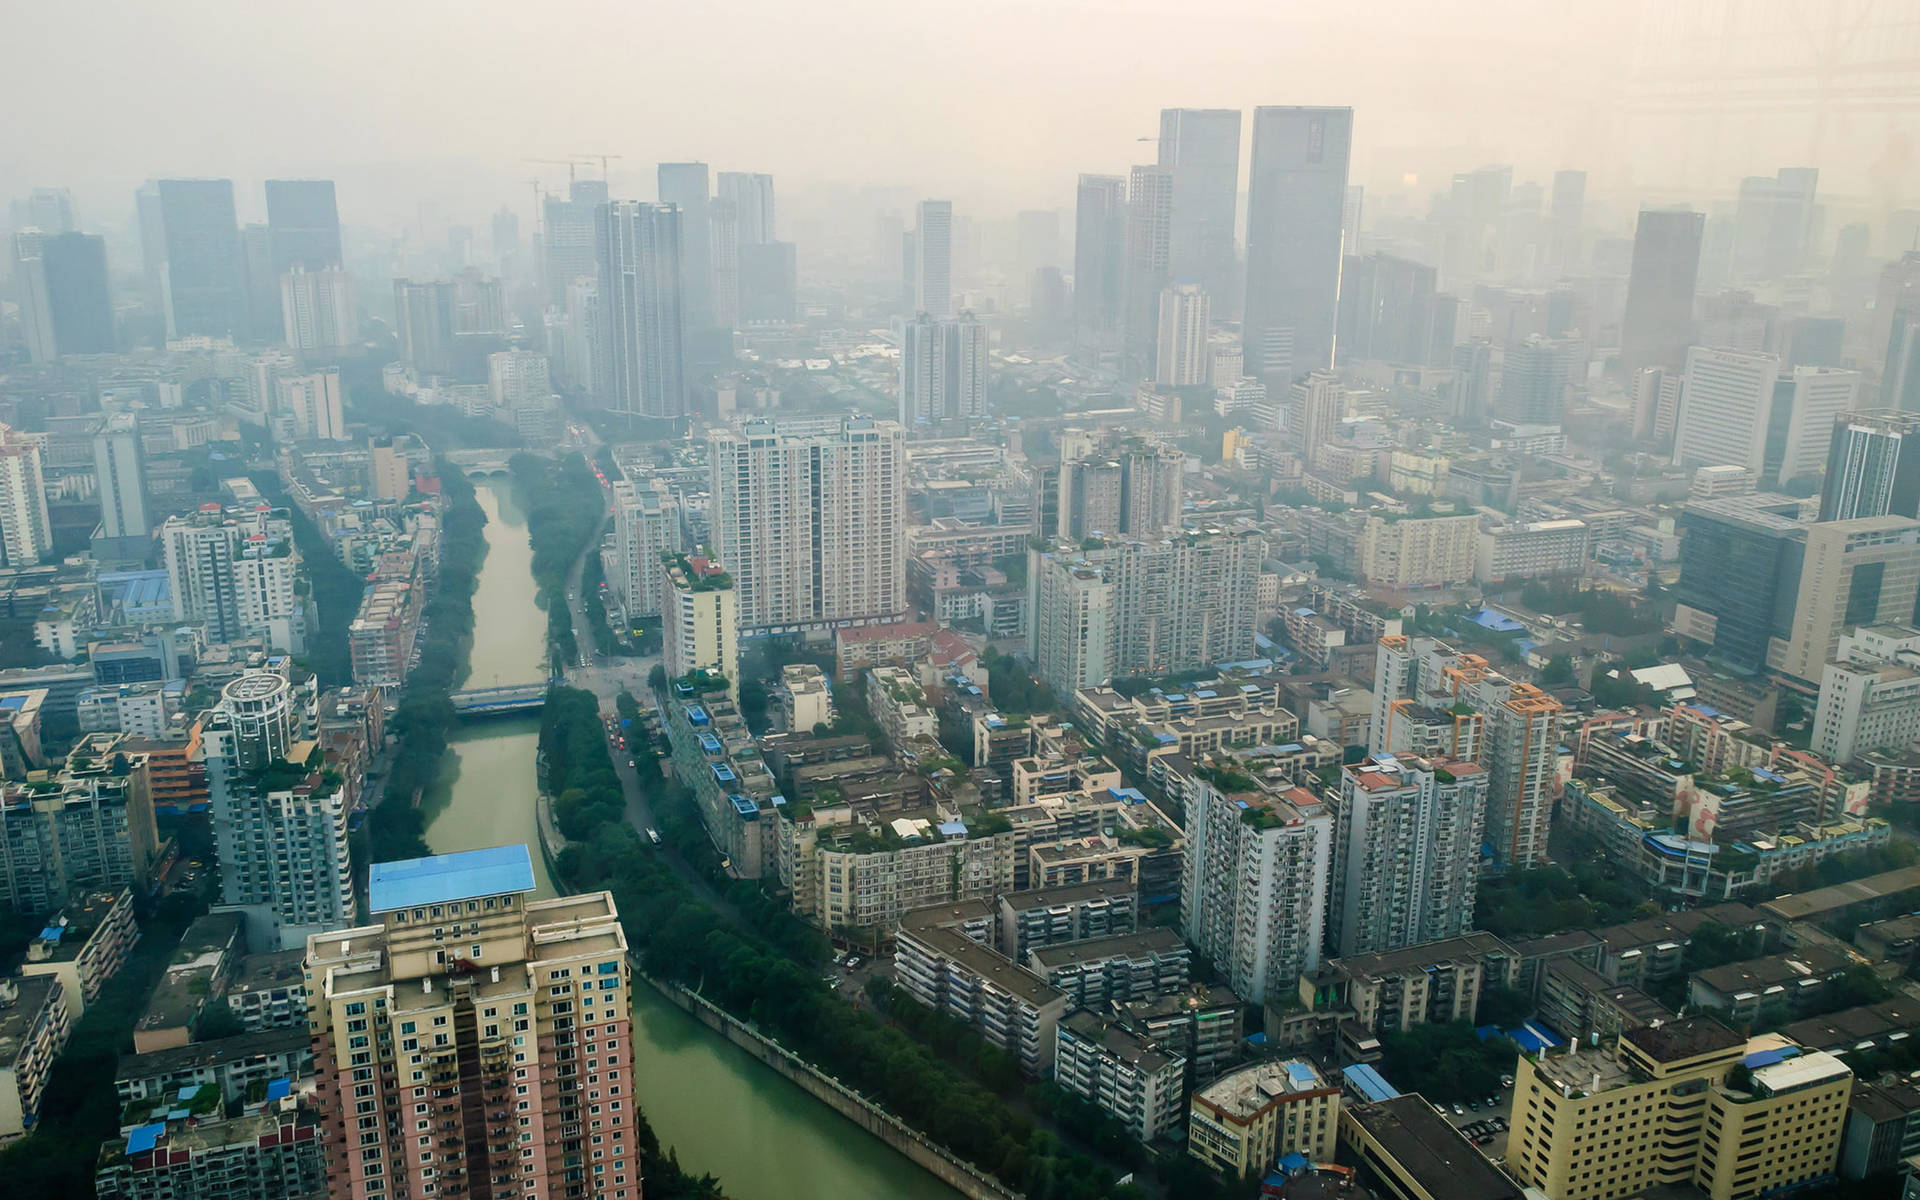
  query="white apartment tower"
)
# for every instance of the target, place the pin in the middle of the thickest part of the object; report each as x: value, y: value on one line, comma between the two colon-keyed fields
x: 1319, y: 405
x: 235, y: 574
x: 121, y: 483
x: 943, y: 371
x: 26, y: 532
x: 1725, y: 399
x: 643, y: 530
x: 1253, y: 898
x: 317, y: 310
x: 1869, y: 694
x: 312, y: 403
x: 700, y: 620
x: 812, y: 528
x: 1183, y: 359
x: 1408, y: 851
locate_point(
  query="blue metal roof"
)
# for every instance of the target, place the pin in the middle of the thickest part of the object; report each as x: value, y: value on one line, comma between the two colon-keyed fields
x: 1766, y: 1058
x: 279, y: 1089
x: 145, y: 1137
x: 439, y: 878
x: 1370, y: 1083
x: 953, y: 829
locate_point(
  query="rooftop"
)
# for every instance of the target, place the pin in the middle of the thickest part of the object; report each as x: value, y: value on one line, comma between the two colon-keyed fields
x: 1250, y: 1089
x: 18, y: 1015
x: 1122, y: 945
x: 1444, y: 1164
x: 1120, y: 1044
x: 1072, y: 893
x: 1772, y: 971
x: 1675, y: 1041
x: 991, y: 967
x: 439, y: 878
x: 1468, y: 947
x: 1857, y: 1028
x: 214, y: 1053
x: 1817, y: 903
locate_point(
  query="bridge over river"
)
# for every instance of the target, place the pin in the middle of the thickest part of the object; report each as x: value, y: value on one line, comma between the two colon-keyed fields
x: 474, y: 703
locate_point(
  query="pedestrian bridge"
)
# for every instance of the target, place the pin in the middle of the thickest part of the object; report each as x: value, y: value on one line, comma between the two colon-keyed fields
x: 474, y: 703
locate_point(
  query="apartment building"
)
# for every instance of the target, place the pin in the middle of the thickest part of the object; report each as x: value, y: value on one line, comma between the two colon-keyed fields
x: 1009, y: 1006
x: 699, y: 619
x: 256, y: 1156
x: 84, y: 945
x: 236, y: 573
x: 1409, y: 835
x: 1245, y: 1121
x: 1034, y: 919
x: 1432, y: 983
x: 475, y: 1038
x: 380, y: 640
x: 34, y: 1024
x: 1118, y: 969
x: 234, y: 1064
x: 643, y: 532
x: 1869, y: 694
x: 1414, y: 552
x: 1134, y: 1081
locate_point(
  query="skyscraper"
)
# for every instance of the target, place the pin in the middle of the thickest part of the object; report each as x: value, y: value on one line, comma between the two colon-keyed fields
x: 1726, y: 400
x: 1407, y: 851
x: 1565, y: 214
x: 303, y: 224
x: 725, y: 222
x: 769, y: 283
x: 263, y: 285
x: 640, y: 331
x: 317, y: 310
x: 1773, y: 223
x: 236, y: 574
x: 120, y: 481
x: 78, y: 300
x: 1296, y: 189
x: 684, y: 185
x: 1149, y: 246
x: 943, y: 371
x: 933, y: 259
x: 1534, y: 377
x: 1099, y: 264
x: 205, y: 272
x: 1183, y: 358
x: 1202, y: 146
x: 752, y: 199
x: 1319, y: 405
x: 812, y: 528
x: 1873, y: 466
x: 569, y: 237
x: 26, y: 533
x: 643, y: 530
x: 1390, y: 312
x: 49, y: 210
x: 1657, y: 325
x: 498, y: 1009
x: 423, y: 314
x: 36, y: 308
x: 1798, y: 438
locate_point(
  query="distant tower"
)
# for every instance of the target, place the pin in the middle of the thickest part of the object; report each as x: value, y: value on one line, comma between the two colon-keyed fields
x: 1657, y: 325
x: 1183, y: 358
x: 1149, y: 250
x: 204, y: 272
x: 933, y: 259
x: 1296, y: 193
x: 684, y: 185
x: 1099, y: 263
x: 641, y: 309
x: 1202, y: 146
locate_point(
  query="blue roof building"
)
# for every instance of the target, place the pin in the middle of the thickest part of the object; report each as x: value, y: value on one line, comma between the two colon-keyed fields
x: 442, y: 878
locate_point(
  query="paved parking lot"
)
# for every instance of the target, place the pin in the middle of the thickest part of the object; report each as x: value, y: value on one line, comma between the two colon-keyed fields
x: 1490, y: 1123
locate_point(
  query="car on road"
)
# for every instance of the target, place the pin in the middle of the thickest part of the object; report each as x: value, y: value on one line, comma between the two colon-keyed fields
x: 653, y: 835
x: 632, y: 763
x: 1459, y: 1109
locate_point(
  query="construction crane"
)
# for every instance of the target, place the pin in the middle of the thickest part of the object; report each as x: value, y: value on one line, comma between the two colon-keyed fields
x: 603, y: 162
x: 571, y: 164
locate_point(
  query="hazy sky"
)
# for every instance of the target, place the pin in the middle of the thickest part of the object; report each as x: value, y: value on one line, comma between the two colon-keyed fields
x: 994, y: 102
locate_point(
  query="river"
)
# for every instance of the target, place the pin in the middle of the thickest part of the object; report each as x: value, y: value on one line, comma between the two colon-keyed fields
x: 720, y: 1109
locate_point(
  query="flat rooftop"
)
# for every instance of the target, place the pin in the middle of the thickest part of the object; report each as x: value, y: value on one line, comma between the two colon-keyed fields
x: 990, y: 966
x: 1072, y: 893
x: 1803, y: 905
x: 1856, y: 1028
x: 1445, y: 1164
x: 1120, y: 1044
x: 1691, y: 1037
x: 441, y: 878
x: 1474, y: 946
x: 1250, y: 1089
x: 1123, y: 945
x: 219, y: 1052
x: 17, y: 1017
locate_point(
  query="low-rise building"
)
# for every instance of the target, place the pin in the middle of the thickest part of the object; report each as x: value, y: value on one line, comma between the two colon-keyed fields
x: 1780, y: 986
x: 1026, y: 920
x: 34, y: 1024
x: 1245, y: 1121
x: 1203, y: 1025
x: 1432, y: 983
x: 273, y: 1155
x: 1407, y: 1150
x: 1133, y: 1080
x: 1131, y: 966
x: 209, y: 952
x: 233, y: 1064
x: 85, y: 945
x: 1007, y: 1005
x: 269, y: 991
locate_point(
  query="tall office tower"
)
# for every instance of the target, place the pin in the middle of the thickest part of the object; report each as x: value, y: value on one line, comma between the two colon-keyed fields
x: 700, y: 620
x: 506, y: 244
x: 1390, y: 312
x: 1896, y: 296
x: 569, y: 237
x: 933, y: 258
x: 1149, y: 244
x: 1726, y: 399
x: 236, y: 574
x: 263, y: 286
x: 1202, y: 147
x: 49, y: 210
x: 280, y: 825
x: 1183, y: 358
x: 1756, y: 539
x: 497, y: 1009
x: 644, y: 527
x: 1566, y: 213
x: 1774, y: 223
x: 684, y: 185
x: 423, y: 313
x: 26, y: 532
x: 943, y: 371
x: 1853, y: 573
x: 1253, y: 894
x: 311, y: 402
x: 639, y: 328
x: 1319, y: 405
x: 304, y: 224
x: 1473, y: 381
x: 36, y: 307
x: 1809, y: 340
x: 812, y: 528
x: 1806, y: 403
x: 153, y: 246
x: 1873, y: 466
x: 1534, y: 377
x: 1407, y: 851
x: 1516, y: 739
x: 317, y: 310
x: 573, y: 342
x: 1643, y: 393
x: 1296, y: 185
x: 1099, y: 264
x: 478, y: 303
x: 78, y: 303
x: 205, y: 273
x: 769, y: 283
x: 1657, y: 325
x: 1350, y: 214
x: 119, y: 478
x: 752, y: 199
x: 1131, y: 607
x: 725, y: 222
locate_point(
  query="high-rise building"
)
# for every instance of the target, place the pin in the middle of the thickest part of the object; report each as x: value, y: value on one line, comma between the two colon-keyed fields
x: 812, y: 528
x: 1407, y: 851
x: 280, y: 819
x: 119, y: 478
x: 90, y: 826
x: 304, y: 224
x: 1390, y: 312
x: 1296, y: 191
x: 1099, y: 264
x: 1533, y: 379
x: 943, y: 371
x: 684, y: 186
x: 36, y: 308
x: 517, y: 377
x: 498, y: 1009
x: 1565, y: 215
x: 643, y: 530
x: 423, y: 314
x: 205, y: 273
x: 1852, y: 573
x: 641, y: 308
x: 317, y: 309
x: 1726, y: 400
x: 1253, y: 894
x: 26, y: 532
x: 1202, y: 146
x: 933, y: 259
x: 264, y: 322
x: 79, y: 303
x: 49, y: 210
x: 569, y: 240
x: 1517, y: 735
x: 1119, y: 485
x: 1774, y: 223
x: 769, y: 283
x: 1127, y: 607
x: 236, y: 573
x: 312, y: 404
x: 1319, y: 405
x: 699, y: 620
x: 1873, y: 466
x: 1806, y: 404
x: 1183, y: 358
x: 1756, y: 539
x: 724, y: 219
x: 1149, y: 247
x: 1869, y: 694
x: 752, y: 198
x: 1657, y: 325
